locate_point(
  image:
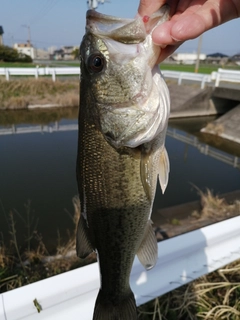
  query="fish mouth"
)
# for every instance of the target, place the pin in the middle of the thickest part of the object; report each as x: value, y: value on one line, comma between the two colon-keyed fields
x: 122, y: 30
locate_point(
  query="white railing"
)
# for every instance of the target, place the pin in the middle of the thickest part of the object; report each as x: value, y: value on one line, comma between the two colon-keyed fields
x: 214, y: 78
x: 227, y: 76
x: 36, y: 72
x: 189, y: 76
x: 181, y: 259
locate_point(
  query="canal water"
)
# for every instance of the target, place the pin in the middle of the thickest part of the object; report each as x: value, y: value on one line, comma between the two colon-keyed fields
x: 37, y: 169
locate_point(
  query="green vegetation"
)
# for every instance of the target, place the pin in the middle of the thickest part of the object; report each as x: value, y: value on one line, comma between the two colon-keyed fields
x: 16, y: 65
x: 19, y: 94
x: 53, y: 63
x: 76, y: 53
x: 8, y: 54
x: 203, y: 68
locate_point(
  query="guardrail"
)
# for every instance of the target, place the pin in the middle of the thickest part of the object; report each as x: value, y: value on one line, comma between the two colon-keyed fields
x: 181, y: 259
x: 222, y: 75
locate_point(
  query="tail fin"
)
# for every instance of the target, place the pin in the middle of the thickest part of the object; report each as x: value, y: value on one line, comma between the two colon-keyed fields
x: 108, y: 310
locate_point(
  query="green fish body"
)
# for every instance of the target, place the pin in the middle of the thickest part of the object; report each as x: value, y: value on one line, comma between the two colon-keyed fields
x: 124, y: 109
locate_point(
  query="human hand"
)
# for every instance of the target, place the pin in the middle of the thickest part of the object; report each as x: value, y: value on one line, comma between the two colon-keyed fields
x: 189, y: 19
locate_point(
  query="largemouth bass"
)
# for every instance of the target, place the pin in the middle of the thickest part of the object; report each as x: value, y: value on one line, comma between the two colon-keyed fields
x: 124, y: 109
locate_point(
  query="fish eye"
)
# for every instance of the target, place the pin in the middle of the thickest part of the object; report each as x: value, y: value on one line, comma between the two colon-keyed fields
x: 95, y: 63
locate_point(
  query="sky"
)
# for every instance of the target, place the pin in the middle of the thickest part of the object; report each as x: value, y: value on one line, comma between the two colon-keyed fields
x: 57, y: 23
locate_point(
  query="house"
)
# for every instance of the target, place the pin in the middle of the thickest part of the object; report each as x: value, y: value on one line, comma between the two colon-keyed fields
x: 65, y: 53
x: 1, y: 33
x: 57, y: 54
x: 25, y: 49
x: 217, y: 58
x: 188, y: 58
x: 235, y: 59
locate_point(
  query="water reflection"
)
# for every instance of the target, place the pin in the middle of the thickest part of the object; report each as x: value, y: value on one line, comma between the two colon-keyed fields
x: 38, y: 155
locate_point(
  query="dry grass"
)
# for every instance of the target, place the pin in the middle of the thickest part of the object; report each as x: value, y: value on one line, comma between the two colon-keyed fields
x: 20, y: 267
x: 212, y: 297
x: 18, y: 94
x: 215, y: 128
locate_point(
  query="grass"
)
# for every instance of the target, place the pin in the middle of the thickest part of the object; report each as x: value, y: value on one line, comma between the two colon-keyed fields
x: 203, y: 68
x: 16, y: 65
x: 212, y: 297
x: 53, y: 63
x: 19, y: 94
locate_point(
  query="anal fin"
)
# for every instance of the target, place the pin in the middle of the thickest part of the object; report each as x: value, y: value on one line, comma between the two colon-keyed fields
x: 148, y: 250
x: 83, y: 244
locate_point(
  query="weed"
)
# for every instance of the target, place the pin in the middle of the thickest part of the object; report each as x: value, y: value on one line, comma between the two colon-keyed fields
x: 29, y: 264
x: 19, y: 94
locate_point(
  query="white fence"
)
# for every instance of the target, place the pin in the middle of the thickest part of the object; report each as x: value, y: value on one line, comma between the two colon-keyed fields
x: 189, y: 76
x: 36, y: 72
x: 227, y: 76
x: 181, y: 259
x: 222, y: 75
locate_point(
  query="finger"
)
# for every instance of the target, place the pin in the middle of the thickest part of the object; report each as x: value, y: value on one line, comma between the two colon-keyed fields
x: 162, y: 34
x: 148, y: 7
x: 200, y: 18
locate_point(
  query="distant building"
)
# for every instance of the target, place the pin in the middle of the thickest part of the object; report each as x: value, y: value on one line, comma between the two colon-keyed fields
x: 65, y: 53
x: 188, y: 58
x: 41, y: 54
x: 57, y: 55
x: 217, y: 58
x: 235, y: 59
x: 25, y: 48
x: 1, y: 34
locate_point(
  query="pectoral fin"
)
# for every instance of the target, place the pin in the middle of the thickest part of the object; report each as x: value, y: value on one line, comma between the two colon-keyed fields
x: 148, y: 250
x: 83, y: 244
x: 145, y: 172
x: 163, y: 171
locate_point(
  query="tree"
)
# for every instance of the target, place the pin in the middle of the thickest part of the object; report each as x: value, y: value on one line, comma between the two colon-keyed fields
x: 8, y: 54
x: 76, y: 53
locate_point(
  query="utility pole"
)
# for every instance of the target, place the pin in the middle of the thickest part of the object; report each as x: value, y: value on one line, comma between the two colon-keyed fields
x: 198, y: 53
x: 1, y: 34
x: 29, y: 32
